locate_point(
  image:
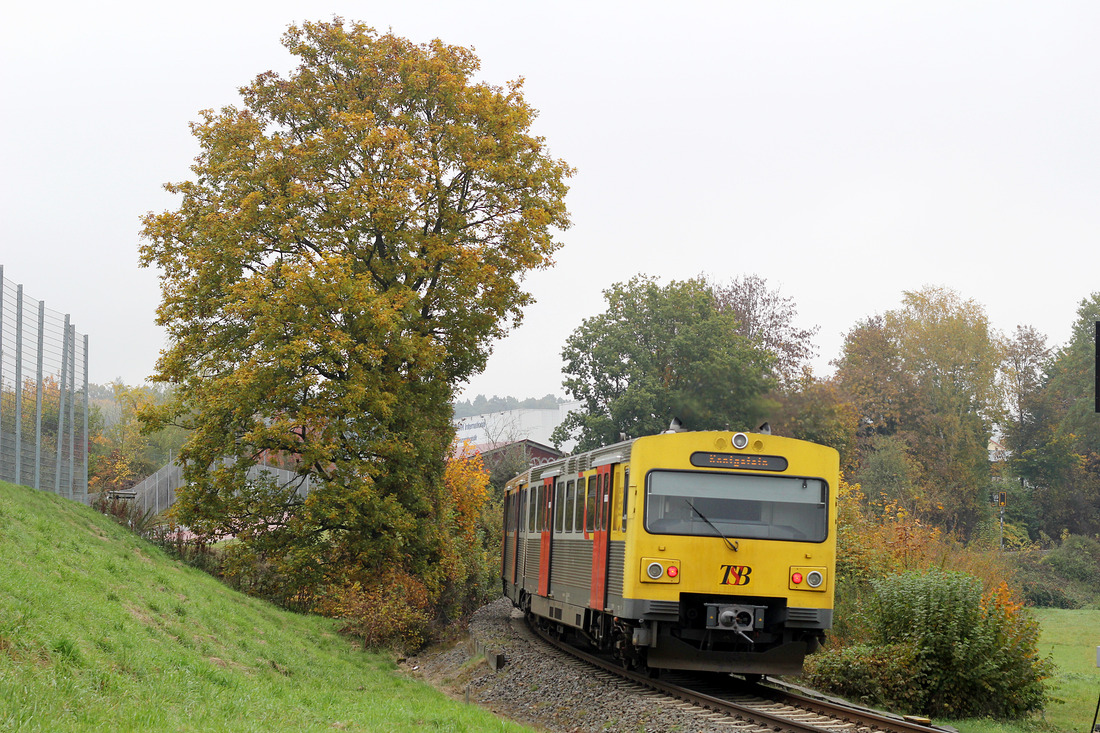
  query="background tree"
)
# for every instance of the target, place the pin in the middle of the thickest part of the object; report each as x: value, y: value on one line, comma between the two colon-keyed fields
x: 816, y: 410
x: 659, y: 353
x: 1056, y: 438
x: 871, y: 374
x: 768, y: 319
x: 349, y: 246
x: 1026, y: 354
x: 121, y: 453
x: 481, y: 405
x: 927, y: 374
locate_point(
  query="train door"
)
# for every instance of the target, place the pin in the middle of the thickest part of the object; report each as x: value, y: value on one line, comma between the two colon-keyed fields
x: 515, y: 519
x: 546, y: 496
x: 504, y: 557
x: 601, y: 485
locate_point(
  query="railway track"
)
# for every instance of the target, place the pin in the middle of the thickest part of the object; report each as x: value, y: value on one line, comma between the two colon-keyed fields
x: 749, y: 707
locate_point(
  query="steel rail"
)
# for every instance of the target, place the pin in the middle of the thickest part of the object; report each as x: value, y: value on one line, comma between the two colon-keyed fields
x: 854, y: 713
x: 761, y: 718
x: 749, y: 705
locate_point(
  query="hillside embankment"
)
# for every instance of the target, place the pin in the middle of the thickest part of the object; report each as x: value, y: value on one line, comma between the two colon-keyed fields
x: 100, y: 630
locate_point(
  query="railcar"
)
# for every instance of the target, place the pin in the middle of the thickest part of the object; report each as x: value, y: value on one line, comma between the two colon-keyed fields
x: 685, y: 550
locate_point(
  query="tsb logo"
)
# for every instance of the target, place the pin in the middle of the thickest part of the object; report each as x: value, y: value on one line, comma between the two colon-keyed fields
x: 736, y: 574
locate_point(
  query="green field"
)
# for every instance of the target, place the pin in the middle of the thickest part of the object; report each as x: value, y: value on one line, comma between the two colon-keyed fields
x: 1070, y: 638
x: 99, y: 630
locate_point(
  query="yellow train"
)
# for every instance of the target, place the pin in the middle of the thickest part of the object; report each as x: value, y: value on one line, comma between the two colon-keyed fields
x: 686, y: 550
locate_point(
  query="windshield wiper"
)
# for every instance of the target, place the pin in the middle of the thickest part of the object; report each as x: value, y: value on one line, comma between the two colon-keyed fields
x: 732, y: 544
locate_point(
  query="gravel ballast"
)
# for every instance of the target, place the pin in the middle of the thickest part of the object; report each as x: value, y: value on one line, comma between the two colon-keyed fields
x: 545, y: 688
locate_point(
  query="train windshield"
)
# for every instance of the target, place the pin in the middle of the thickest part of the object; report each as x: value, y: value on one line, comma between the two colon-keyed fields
x: 736, y: 505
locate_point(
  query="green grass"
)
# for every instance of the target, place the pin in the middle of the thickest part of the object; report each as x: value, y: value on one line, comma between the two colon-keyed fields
x: 1071, y: 638
x: 99, y: 630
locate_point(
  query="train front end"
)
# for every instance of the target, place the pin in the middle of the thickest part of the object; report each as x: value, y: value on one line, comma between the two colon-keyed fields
x: 729, y: 556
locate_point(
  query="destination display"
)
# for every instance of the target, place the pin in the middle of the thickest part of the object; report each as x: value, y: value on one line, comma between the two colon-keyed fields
x: 738, y: 460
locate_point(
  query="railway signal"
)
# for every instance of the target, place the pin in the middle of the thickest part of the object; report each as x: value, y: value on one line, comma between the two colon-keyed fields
x: 1000, y: 498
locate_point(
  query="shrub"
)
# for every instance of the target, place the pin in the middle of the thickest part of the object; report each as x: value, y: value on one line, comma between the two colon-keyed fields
x: 395, y: 611
x: 868, y: 674
x: 938, y: 646
x: 1067, y: 576
x: 1078, y: 558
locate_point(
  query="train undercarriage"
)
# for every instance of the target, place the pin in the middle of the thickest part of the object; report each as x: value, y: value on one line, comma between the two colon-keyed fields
x: 746, y: 636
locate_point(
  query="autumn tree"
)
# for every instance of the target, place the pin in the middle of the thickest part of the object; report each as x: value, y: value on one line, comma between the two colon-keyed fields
x: 1026, y: 354
x: 659, y: 353
x: 817, y: 410
x: 121, y: 452
x: 871, y: 373
x: 927, y: 374
x: 351, y: 242
x: 768, y: 318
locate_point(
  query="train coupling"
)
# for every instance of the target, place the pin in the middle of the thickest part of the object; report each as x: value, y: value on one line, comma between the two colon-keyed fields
x: 735, y: 617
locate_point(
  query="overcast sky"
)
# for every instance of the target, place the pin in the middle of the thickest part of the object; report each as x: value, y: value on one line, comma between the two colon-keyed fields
x: 846, y: 152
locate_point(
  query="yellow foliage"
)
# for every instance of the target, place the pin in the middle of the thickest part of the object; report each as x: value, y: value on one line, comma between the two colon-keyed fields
x: 467, y: 481
x: 876, y: 538
x: 394, y: 610
x: 1002, y: 602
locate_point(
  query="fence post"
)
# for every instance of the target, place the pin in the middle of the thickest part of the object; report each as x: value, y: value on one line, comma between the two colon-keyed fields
x: 38, y: 398
x: 61, y: 408
x: 71, y: 366
x: 84, y: 485
x: 19, y: 384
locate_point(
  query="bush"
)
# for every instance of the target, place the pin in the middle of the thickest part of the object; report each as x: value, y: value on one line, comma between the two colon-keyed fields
x: 1078, y: 558
x: 1065, y: 577
x: 394, y: 612
x: 939, y: 647
x: 1044, y: 591
x: 868, y: 674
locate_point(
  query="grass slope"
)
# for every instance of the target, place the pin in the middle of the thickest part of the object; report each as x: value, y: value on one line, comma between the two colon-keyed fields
x: 100, y: 630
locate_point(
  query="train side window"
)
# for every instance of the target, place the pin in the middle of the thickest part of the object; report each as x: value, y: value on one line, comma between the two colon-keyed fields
x: 532, y: 508
x: 547, y: 497
x: 626, y: 494
x: 590, y: 506
x: 601, y: 500
x: 605, y: 516
x: 578, y: 517
x: 569, y: 506
x: 548, y: 522
x: 540, y: 521
x: 559, y: 507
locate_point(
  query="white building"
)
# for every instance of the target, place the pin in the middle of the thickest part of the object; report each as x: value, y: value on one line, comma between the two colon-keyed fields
x: 512, y: 425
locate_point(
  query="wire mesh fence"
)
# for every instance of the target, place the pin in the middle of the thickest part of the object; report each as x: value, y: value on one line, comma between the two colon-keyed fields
x: 43, y: 396
x: 158, y: 492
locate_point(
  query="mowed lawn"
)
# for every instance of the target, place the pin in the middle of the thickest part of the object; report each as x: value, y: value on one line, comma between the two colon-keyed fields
x: 99, y: 630
x: 1072, y: 637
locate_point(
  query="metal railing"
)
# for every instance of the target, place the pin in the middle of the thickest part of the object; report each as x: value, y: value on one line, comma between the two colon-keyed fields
x: 43, y: 396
